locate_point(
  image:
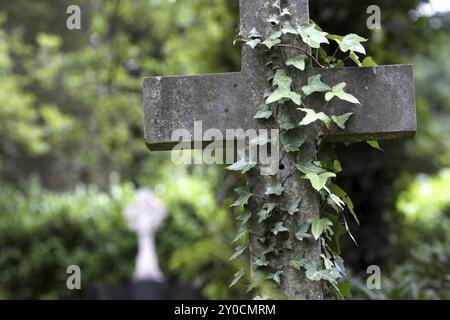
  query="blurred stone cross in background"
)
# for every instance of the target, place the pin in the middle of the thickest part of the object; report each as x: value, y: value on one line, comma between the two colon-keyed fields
x: 230, y: 101
x: 144, y: 215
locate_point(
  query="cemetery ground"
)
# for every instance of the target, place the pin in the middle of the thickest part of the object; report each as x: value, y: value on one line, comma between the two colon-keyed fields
x: 88, y: 211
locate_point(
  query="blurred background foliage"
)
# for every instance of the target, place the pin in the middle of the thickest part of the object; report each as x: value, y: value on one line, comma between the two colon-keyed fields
x: 43, y: 232
x: 72, y: 151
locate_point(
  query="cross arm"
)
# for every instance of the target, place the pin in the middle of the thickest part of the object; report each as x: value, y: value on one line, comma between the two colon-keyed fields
x: 388, y: 108
x: 220, y: 101
x: 229, y: 101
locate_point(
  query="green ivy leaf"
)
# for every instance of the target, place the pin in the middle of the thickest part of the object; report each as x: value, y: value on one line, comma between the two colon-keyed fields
x: 237, y: 276
x: 273, y: 39
x: 284, y: 94
x: 312, y: 116
x: 242, y: 232
x: 315, y: 84
x: 276, y: 276
x: 302, y: 232
x: 264, y: 113
x: 285, y: 12
x: 261, y: 262
x: 270, y: 43
x: 319, y: 181
x: 278, y: 228
x: 327, y: 262
x: 255, y: 38
x: 344, y: 196
x: 244, y: 217
x: 345, y: 290
x: 341, y: 120
x: 244, y: 196
x: 253, y: 43
x: 244, y: 165
x: 369, y: 62
x: 334, y: 201
x: 337, y: 166
x: 266, y: 211
x: 311, y: 267
x: 283, y: 82
x: 375, y: 145
x: 338, y: 91
x: 275, y: 189
x: 350, y: 42
x: 292, y: 141
x: 289, y: 125
x: 339, y: 64
x: 287, y: 244
x: 260, y: 140
x: 317, y: 275
x: 288, y: 29
x: 311, y: 36
x: 297, y: 62
x: 270, y: 249
x: 297, y: 259
x: 338, y: 231
x: 291, y: 207
x: 288, y: 122
x: 238, y: 252
x: 254, y: 34
x: 307, y: 155
x: 318, y: 226
x: 314, y: 274
x: 323, y: 55
x: 355, y: 58
x: 309, y: 167
x: 335, y: 37
x: 339, y: 265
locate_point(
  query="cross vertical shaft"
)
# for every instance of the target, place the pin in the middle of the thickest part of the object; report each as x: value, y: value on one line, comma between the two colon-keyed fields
x: 293, y: 282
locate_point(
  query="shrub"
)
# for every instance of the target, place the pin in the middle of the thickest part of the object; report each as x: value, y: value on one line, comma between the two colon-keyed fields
x: 42, y: 233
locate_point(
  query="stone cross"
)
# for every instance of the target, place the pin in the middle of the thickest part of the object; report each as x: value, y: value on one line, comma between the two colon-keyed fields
x: 144, y: 215
x: 230, y: 101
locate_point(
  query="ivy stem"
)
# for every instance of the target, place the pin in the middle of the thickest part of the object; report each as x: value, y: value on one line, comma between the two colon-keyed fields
x: 282, y: 157
x: 301, y: 50
x: 255, y: 234
x: 326, y: 105
x: 287, y: 177
x: 303, y: 104
x: 335, y: 52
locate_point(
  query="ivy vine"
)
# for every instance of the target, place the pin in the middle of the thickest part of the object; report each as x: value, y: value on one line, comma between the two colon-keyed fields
x: 319, y: 165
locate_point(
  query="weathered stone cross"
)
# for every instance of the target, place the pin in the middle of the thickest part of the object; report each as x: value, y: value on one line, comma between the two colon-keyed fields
x: 230, y: 101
